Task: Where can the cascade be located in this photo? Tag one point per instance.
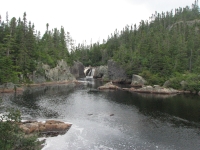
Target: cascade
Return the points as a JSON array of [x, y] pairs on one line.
[[90, 73]]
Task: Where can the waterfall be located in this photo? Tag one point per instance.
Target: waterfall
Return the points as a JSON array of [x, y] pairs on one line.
[[90, 72]]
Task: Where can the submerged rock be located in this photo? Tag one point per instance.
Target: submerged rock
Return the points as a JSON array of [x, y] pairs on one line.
[[50, 127]]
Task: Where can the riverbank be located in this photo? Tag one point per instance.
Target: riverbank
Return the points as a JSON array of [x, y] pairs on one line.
[[21, 87]]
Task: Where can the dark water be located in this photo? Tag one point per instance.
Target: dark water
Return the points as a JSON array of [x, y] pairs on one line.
[[111, 120]]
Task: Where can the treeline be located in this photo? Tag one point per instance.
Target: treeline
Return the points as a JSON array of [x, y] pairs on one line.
[[158, 49], [21, 47], [164, 47]]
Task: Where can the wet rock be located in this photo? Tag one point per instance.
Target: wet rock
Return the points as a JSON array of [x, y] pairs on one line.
[[50, 127], [154, 90], [109, 85]]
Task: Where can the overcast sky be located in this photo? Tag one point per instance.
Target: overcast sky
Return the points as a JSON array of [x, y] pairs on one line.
[[87, 19]]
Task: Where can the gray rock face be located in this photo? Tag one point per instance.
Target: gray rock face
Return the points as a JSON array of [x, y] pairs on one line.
[[101, 72], [38, 78], [116, 73], [167, 84], [137, 80], [60, 73], [77, 70]]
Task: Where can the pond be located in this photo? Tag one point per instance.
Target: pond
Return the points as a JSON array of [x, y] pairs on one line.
[[112, 120]]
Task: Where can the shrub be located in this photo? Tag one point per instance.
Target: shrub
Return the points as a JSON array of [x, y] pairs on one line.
[[12, 137], [152, 79]]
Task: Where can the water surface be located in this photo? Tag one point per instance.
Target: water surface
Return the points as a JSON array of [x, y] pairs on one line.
[[112, 120]]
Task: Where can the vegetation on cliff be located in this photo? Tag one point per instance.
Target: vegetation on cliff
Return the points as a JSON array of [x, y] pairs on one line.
[[159, 49], [21, 47]]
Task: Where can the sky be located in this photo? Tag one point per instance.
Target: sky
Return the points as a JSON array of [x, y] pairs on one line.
[[87, 20]]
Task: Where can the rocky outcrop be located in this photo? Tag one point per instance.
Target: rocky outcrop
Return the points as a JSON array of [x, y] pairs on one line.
[[59, 73], [116, 73], [156, 89], [50, 127], [188, 23], [137, 81], [108, 86], [101, 72], [77, 70]]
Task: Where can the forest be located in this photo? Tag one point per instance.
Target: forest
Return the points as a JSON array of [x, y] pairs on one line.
[[165, 47]]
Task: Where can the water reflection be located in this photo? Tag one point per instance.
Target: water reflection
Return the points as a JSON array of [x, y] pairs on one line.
[[138, 121]]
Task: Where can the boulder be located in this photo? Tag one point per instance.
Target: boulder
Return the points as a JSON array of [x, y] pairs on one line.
[[199, 93], [116, 73], [156, 86], [77, 70], [137, 80], [109, 85], [50, 127], [101, 72], [167, 84]]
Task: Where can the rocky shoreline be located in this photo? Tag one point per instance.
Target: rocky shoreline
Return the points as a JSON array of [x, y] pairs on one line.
[[21, 87], [156, 89], [47, 128]]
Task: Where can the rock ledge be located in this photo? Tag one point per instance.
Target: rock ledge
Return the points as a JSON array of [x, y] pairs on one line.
[[49, 128]]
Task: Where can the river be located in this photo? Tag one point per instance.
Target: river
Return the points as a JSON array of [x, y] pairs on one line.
[[112, 120]]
